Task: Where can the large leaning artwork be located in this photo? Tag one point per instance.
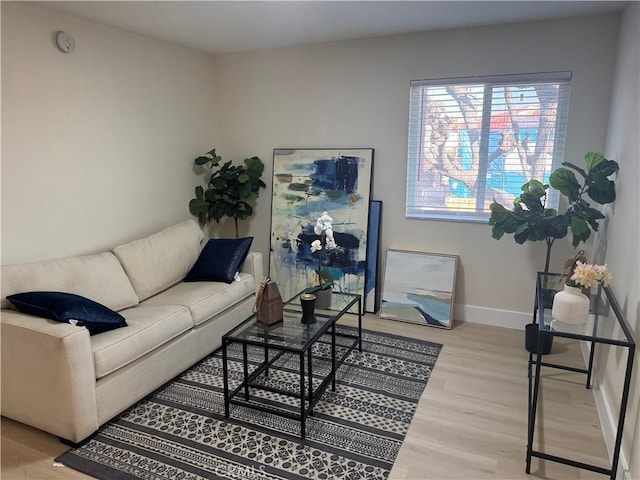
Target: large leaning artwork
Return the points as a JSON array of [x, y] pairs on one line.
[[306, 183], [372, 292], [418, 288]]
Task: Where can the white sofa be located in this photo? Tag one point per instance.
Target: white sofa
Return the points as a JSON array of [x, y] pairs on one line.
[[58, 378]]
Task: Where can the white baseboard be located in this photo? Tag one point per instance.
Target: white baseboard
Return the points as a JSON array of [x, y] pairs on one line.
[[492, 316]]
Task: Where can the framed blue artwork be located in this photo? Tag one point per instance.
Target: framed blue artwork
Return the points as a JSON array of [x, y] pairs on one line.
[[307, 183], [372, 293], [419, 288]]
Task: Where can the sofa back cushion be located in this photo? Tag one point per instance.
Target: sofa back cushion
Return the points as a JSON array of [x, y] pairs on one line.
[[156, 262], [98, 277]]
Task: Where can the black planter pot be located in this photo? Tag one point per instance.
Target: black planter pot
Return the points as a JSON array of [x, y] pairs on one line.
[[531, 340]]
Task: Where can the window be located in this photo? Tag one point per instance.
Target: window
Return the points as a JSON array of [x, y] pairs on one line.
[[473, 140]]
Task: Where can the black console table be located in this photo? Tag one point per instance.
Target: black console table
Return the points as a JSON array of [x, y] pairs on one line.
[[605, 325]]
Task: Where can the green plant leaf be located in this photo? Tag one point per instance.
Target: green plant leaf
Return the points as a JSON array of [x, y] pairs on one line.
[[219, 183], [602, 192], [521, 229], [251, 197], [580, 230], [535, 186], [532, 201], [202, 160], [592, 159], [244, 189], [605, 168], [255, 165], [497, 232], [196, 206], [566, 183], [521, 237], [243, 178], [576, 168], [218, 210], [584, 211], [558, 227], [199, 192]]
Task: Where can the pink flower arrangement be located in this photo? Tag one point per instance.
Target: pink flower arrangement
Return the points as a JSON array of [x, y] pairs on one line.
[[588, 275]]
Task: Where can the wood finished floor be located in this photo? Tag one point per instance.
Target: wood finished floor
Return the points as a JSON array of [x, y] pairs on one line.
[[470, 422]]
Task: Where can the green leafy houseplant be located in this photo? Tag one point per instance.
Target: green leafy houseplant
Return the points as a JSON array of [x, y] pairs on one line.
[[531, 220], [230, 189]]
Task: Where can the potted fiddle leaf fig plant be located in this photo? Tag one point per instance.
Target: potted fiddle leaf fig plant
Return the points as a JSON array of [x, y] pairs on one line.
[[230, 189], [531, 220]]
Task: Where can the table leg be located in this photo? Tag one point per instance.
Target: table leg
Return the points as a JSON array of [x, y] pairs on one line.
[[360, 322], [302, 402], [534, 406], [266, 360], [333, 357], [310, 371], [225, 374], [621, 416], [245, 366]]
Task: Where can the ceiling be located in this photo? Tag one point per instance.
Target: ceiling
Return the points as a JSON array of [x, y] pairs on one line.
[[238, 26]]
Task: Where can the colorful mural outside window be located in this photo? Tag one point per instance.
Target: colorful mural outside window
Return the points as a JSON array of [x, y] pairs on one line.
[[481, 142]]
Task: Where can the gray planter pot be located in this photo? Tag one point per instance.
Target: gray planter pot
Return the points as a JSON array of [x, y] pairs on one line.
[[323, 299]]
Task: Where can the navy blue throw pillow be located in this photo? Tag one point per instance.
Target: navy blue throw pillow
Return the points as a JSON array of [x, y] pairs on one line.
[[220, 260], [63, 307]]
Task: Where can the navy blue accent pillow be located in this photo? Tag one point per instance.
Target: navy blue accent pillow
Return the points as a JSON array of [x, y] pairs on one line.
[[220, 260], [63, 307]]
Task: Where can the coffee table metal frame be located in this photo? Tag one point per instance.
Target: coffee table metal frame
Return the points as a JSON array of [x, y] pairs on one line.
[[308, 396]]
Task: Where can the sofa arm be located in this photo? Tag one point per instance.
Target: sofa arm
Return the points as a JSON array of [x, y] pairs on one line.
[[253, 265], [48, 378]]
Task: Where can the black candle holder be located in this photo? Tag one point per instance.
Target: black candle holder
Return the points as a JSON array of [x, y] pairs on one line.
[[308, 303]]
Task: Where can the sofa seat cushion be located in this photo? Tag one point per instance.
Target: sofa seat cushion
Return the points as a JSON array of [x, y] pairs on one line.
[[149, 328], [206, 299]]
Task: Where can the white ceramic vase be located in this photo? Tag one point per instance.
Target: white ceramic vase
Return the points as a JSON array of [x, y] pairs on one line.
[[570, 306]]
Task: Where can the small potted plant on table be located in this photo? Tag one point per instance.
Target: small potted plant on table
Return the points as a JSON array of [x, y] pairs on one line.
[[321, 247]]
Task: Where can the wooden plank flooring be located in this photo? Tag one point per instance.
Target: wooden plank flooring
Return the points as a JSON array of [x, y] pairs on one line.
[[470, 422]]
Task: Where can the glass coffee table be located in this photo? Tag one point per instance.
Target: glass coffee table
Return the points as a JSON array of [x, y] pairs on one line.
[[293, 338]]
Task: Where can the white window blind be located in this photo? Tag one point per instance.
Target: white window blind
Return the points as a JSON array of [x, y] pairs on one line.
[[473, 140]]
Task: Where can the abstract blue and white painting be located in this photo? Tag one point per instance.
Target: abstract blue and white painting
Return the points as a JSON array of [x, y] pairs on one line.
[[372, 292], [306, 183], [419, 288]]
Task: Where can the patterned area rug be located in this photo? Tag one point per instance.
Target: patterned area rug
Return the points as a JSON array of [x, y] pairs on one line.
[[180, 432]]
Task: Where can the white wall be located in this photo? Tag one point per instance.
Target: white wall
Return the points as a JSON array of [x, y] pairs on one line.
[[97, 144], [623, 238], [356, 94]]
